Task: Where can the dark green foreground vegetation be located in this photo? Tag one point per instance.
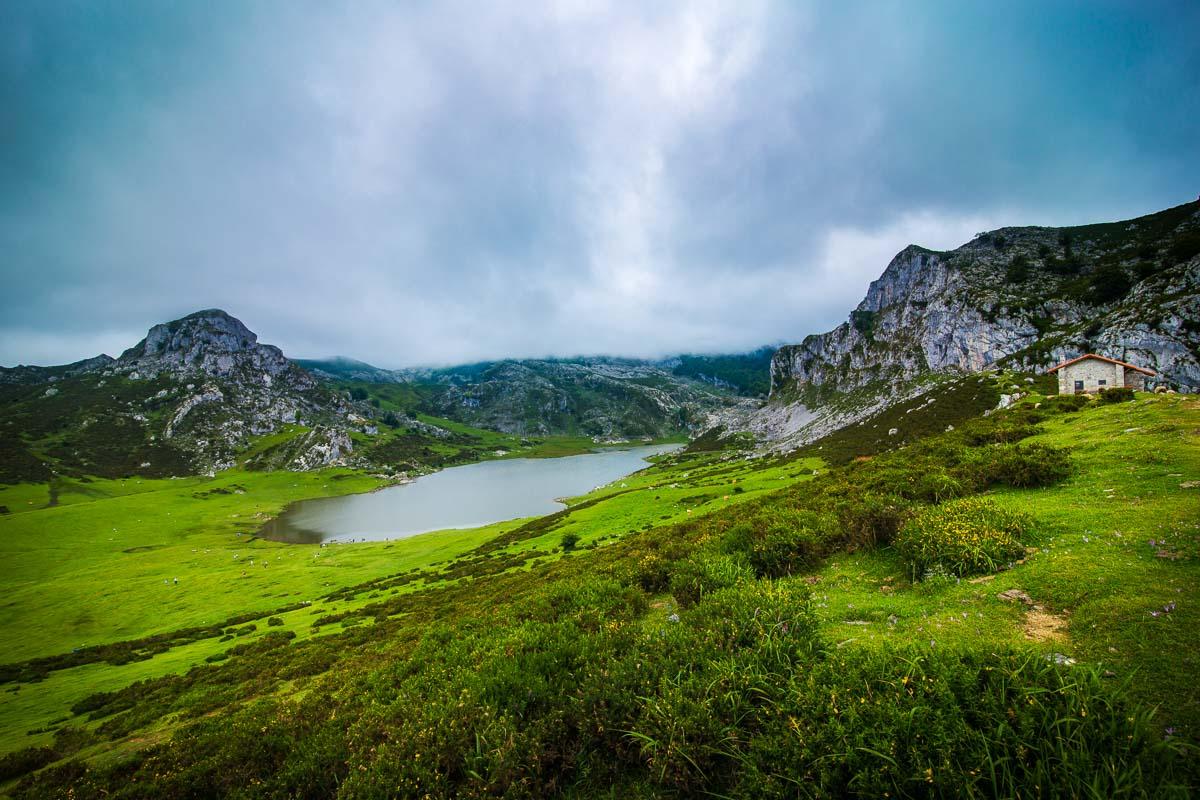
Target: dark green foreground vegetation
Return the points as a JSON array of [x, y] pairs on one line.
[[782, 647]]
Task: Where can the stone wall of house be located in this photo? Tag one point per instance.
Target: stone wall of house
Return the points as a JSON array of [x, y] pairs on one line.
[[1135, 380], [1091, 371]]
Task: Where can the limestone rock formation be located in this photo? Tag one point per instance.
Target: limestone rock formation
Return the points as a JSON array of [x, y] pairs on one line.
[[1015, 297]]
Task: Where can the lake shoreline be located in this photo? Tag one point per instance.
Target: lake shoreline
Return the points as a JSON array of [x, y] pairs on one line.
[[462, 497]]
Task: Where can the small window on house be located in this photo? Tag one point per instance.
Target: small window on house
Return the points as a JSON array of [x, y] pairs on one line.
[[1079, 386], [1103, 382]]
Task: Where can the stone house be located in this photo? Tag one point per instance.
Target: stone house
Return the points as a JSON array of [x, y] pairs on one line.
[[1093, 373]]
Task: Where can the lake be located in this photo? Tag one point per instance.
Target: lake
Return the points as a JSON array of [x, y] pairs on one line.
[[459, 497]]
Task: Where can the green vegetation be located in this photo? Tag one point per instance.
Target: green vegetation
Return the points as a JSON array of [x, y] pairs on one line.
[[864, 322], [1184, 247], [748, 373], [694, 639], [1110, 283], [82, 427], [1018, 269], [1117, 394], [961, 538]]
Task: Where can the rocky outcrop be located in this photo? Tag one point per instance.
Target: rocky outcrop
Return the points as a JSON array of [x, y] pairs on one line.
[[314, 449], [210, 394], [214, 344], [1024, 296]]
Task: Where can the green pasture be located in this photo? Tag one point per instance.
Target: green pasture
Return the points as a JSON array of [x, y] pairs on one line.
[[101, 564], [1098, 592]]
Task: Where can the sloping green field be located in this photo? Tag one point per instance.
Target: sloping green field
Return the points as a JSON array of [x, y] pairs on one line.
[[512, 664]]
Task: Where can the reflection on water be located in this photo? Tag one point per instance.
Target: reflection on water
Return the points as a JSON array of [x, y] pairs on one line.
[[459, 497]]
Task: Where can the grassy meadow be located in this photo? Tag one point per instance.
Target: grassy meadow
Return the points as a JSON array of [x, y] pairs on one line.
[[100, 565], [714, 623]]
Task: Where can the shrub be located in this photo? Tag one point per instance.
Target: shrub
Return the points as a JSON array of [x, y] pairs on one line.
[[964, 537], [1019, 466], [904, 723], [1006, 432], [26, 760], [705, 573], [788, 547], [274, 621], [1184, 247], [938, 485], [1117, 394], [864, 322], [869, 520], [585, 602], [652, 573], [1110, 283], [754, 614], [569, 540], [1065, 403], [1018, 269], [1028, 466], [1146, 269]]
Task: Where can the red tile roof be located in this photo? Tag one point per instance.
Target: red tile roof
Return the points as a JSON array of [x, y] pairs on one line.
[[1101, 358]]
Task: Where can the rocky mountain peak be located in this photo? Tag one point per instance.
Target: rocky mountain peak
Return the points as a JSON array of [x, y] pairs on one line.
[[211, 342], [212, 330]]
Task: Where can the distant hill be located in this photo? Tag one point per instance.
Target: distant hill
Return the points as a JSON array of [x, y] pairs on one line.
[[604, 397], [340, 368]]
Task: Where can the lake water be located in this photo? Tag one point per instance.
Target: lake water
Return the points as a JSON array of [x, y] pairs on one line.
[[458, 497]]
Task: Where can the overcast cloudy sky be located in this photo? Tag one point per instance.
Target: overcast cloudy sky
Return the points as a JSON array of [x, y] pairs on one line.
[[413, 183]]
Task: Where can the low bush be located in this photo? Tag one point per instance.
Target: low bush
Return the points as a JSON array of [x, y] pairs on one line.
[[895, 723], [753, 613], [789, 546], [586, 602], [1029, 466], [871, 520], [19, 762], [1117, 394], [938, 485], [1185, 246], [1065, 403], [964, 537], [652, 573], [1019, 466], [1007, 432], [705, 573]]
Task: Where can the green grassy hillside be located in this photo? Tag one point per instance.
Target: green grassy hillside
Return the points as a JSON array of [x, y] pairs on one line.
[[770, 627]]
